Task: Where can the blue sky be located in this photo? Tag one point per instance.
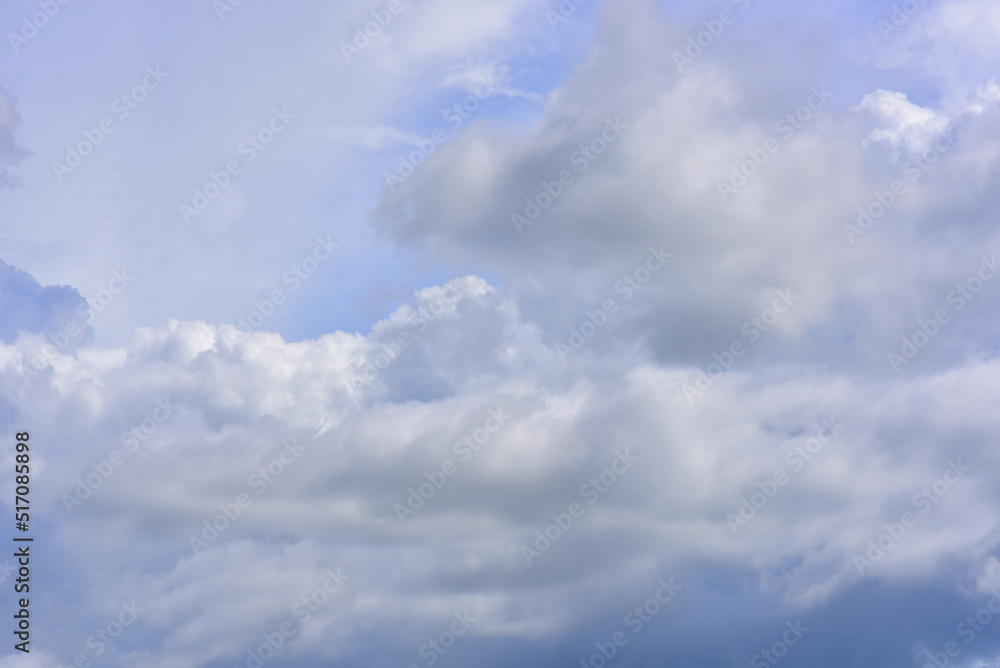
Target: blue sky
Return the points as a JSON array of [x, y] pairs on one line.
[[664, 353]]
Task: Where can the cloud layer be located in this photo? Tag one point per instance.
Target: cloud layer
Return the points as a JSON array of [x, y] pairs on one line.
[[676, 349]]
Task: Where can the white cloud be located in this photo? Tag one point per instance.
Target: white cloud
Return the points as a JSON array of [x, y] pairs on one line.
[[496, 77], [903, 124], [376, 137]]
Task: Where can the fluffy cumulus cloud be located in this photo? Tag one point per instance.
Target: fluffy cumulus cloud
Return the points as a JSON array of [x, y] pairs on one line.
[[676, 351]]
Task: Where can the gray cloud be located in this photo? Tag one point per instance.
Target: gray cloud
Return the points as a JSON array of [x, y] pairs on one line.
[[238, 399]]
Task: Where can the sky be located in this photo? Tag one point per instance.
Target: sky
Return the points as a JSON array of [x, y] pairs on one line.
[[502, 333]]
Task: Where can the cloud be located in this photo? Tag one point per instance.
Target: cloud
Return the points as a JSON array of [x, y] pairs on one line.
[[905, 124], [731, 325], [497, 77], [376, 137], [492, 198], [237, 400], [29, 307], [445, 29]]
